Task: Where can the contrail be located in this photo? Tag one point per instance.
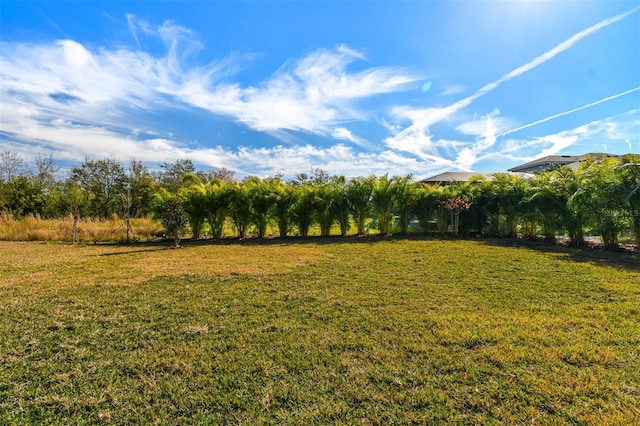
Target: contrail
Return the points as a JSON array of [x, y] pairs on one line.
[[544, 120], [535, 62], [568, 43]]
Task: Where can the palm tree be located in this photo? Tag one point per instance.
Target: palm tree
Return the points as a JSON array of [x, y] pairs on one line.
[[303, 208], [600, 197], [284, 200], [340, 205], [382, 199], [359, 193], [262, 200], [240, 207], [217, 199], [323, 206], [195, 207], [426, 203], [405, 197]]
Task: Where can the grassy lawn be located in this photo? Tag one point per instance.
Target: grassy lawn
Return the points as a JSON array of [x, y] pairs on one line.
[[340, 331]]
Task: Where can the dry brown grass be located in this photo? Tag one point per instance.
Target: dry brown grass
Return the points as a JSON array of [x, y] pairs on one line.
[[34, 228]]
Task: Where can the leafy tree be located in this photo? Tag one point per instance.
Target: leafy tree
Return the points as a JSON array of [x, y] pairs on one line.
[[169, 209], [547, 206], [105, 179], [23, 195], [140, 186], [172, 176], [69, 198]]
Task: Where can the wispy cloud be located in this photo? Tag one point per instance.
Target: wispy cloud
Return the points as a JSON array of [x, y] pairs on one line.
[[416, 137], [315, 93], [342, 133]]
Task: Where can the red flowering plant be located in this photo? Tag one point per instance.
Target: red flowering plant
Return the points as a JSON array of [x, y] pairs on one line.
[[455, 206]]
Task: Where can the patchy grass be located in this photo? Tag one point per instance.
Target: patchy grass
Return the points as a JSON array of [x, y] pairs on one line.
[[344, 331]]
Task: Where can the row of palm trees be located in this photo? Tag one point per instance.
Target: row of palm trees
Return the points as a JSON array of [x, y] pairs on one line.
[[602, 197]]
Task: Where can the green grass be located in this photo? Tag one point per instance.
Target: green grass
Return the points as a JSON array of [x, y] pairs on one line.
[[339, 331]]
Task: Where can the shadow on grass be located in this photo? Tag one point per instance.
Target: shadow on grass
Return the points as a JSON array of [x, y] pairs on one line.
[[626, 257]]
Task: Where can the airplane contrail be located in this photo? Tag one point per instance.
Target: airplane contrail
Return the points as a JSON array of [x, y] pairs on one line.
[[544, 120]]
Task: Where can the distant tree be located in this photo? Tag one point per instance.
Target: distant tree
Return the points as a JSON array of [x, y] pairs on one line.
[[140, 186], [23, 195], [11, 165], [69, 198], [106, 181], [45, 171], [172, 175], [222, 174]]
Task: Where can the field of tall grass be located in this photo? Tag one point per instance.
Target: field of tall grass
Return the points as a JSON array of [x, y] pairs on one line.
[[319, 331], [114, 229]]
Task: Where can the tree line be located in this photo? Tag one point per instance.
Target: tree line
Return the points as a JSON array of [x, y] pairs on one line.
[[601, 197]]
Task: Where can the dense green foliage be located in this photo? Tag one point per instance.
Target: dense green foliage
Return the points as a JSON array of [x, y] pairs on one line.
[[361, 331], [601, 198]]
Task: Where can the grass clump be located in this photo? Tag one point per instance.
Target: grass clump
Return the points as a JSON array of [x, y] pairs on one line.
[[285, 332]]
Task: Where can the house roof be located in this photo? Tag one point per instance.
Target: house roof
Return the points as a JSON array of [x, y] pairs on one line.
[[544, 162], [452, 177], [557, 160]]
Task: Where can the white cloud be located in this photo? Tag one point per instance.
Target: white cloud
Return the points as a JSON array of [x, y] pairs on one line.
[[453, 90], [342, 133], [313, 94]]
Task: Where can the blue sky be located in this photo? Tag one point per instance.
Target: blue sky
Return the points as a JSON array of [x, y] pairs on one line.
[[355, 88]]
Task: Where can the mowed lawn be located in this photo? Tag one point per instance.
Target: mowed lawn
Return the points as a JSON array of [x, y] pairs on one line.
[[323, 331]]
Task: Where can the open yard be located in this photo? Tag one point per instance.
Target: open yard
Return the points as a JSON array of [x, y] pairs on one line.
[[340, 331]]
